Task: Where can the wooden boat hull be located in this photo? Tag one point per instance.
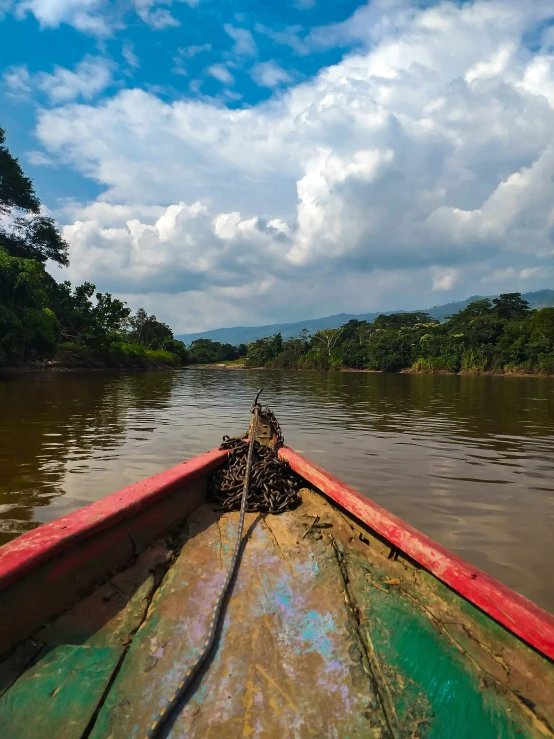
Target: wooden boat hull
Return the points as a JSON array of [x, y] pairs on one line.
[[368, 628]]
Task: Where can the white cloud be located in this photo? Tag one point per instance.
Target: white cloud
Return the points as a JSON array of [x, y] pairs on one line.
[[289, 36], [187, 52], [244, 41], [84, 15], [429, 153], [444, 278], [128, 53], [530, 272], [221, 73], [91, 76], [500, 275], [269, 74], [97, 17], [157, 18], [17, 81]]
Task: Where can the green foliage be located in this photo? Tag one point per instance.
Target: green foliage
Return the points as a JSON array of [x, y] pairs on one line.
[[148, 331], [501, 335], [26, 232], [16, 190], [28, 327], [206, 351], [93, 319]]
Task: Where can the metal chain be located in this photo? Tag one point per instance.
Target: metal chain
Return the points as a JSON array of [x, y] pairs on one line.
[[274, 486], [161, 718]]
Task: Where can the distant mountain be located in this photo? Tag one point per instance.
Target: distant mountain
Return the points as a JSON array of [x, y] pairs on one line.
[[245, 334]]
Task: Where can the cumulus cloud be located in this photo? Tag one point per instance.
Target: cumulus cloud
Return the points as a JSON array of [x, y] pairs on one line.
[[97, 17], [221, 73], [17, 80], [428, 153], [244, 41], [444, 279], [269, 74], [84, 15], [91, 76]]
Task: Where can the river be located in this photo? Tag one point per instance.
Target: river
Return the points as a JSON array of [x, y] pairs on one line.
[[467, 460]]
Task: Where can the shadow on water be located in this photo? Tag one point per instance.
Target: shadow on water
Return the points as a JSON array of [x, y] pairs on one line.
[[468, 460]]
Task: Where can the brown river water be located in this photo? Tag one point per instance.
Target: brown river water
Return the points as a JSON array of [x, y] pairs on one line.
[[467, 460]]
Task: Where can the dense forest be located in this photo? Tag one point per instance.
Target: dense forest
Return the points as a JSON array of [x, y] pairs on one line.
[[40, 317], [499, 335]]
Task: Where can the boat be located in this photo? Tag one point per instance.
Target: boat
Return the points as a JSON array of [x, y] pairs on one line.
[[341, 621]]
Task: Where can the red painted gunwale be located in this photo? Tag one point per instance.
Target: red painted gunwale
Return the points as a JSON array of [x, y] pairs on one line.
[[516, 613], [35, 547]]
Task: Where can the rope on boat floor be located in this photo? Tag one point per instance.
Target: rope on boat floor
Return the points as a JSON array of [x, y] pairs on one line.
[[252, 479]]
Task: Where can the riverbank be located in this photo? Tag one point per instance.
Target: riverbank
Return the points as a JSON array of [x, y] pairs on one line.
[[408, 371], [232, 365], [67, 360]]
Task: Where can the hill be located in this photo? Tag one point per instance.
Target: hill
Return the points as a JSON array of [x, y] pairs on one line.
[[245, 334]]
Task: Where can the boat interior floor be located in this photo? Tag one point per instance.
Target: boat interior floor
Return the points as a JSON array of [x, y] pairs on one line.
[[326, 633]]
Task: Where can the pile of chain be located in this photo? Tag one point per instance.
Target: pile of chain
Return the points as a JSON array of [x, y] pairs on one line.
[[273, 485]]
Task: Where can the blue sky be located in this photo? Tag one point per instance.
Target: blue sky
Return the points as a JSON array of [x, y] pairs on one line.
[[178, 56], [224, 163]]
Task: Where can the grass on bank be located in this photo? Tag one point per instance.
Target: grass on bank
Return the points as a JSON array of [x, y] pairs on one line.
[[117, 355]]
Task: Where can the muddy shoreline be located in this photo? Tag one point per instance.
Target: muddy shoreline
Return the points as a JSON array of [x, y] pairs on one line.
[[70, 362], [409, 371]]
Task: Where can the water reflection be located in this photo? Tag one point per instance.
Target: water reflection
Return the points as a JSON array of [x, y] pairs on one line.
[[469, 460]]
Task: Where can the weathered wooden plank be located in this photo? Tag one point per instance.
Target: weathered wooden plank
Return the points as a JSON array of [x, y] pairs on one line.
[[288, 663], [58, 697], [502, 666], [432, 688], [81, 649], [12, 667], [512, 610], [498, 654]]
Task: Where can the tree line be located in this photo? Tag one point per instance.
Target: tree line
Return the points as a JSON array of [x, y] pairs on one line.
[[39, 316], [499, 335]]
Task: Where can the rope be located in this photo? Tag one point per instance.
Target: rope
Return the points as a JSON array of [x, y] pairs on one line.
[[161, 718]]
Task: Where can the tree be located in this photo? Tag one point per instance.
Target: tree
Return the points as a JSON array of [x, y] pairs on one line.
[[91, 319], [510, 306], [28, 327], [328, 338], [16, 190], [148, 331], [482, 307], [26, 232], [398, 320]]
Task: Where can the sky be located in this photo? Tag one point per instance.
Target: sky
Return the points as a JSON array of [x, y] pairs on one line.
[[234, 162]]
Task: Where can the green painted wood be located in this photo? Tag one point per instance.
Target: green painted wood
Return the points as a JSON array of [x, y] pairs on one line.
[[289, 662], [431, 688], [59, 695], [497, 652], [12, 667]]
